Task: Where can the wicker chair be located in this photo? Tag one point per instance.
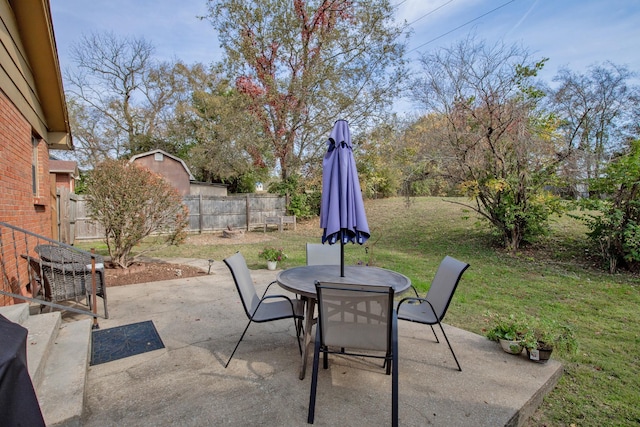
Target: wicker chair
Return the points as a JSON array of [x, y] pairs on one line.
[[66, 274]]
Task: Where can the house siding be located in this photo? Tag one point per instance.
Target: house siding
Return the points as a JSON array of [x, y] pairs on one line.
[[16, 75]]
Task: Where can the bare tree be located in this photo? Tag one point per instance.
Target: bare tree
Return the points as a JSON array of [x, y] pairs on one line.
[[120, 98], [596, 108]]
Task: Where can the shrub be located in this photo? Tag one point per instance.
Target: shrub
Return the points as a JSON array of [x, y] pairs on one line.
[[132, 203], [301, 204], [615, 227]]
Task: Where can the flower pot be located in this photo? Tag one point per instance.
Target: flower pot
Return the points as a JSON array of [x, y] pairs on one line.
[[539, 355], [511, 347], [271, 265]]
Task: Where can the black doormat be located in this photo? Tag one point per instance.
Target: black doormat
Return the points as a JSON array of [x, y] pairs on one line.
[[124, 341]]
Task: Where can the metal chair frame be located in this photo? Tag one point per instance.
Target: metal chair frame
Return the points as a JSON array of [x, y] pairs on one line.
[[255, 308], [431, 309], [348, 305]]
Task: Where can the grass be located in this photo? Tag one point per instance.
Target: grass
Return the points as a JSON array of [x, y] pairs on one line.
[[555, 279]]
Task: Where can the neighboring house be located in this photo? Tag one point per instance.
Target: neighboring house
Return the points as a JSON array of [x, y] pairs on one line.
[[175, 171], [64, 173], [33, 120]]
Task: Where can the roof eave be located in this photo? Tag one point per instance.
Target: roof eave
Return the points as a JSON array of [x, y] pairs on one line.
[[36, 32]]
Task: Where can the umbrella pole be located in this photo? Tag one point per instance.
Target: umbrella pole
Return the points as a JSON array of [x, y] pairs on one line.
[[341, 258]]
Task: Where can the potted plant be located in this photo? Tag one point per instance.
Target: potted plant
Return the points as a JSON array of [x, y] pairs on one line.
[[508, 331], [272, 255], [546, 335]]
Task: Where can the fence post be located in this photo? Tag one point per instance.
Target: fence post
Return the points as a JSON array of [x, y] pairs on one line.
[[200, 220], [94, 290], [248, 211]]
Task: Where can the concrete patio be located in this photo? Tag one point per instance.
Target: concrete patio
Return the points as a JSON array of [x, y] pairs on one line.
[[200, 319]]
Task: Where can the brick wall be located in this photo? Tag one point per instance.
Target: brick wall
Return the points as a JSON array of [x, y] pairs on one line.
[[18, 206], [64, 181]]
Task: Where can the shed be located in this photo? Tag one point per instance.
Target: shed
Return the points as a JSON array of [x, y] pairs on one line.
[[170, 167]]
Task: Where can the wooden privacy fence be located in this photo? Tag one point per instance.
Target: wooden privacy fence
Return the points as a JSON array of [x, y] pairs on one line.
[[65, 216], [206, 213]]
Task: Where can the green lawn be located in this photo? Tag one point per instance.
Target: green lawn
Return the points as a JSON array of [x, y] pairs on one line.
[[554, 279]]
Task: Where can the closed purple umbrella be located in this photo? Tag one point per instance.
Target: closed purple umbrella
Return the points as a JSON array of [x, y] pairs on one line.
[[342, 214]]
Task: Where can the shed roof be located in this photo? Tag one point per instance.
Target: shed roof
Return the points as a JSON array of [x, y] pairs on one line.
[[177, 159], [64, 166]]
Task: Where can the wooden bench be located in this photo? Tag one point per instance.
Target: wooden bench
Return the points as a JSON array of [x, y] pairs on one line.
[[280, 221]]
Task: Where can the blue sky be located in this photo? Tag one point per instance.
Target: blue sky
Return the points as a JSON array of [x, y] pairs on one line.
[[571, 33]]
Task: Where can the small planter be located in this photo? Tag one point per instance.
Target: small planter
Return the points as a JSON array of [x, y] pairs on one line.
[[547, 335], [507, 331], [511, 347], [272, 256], [539, 355]]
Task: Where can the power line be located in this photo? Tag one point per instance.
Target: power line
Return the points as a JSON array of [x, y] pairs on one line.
[[428, 13], [399, 4], [460, 26]]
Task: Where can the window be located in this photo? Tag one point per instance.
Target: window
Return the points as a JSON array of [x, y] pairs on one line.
[[34, 164]]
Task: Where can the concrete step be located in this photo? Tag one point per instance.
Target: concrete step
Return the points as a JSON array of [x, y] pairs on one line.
[[62, 391], [43, 330], [17, 313]]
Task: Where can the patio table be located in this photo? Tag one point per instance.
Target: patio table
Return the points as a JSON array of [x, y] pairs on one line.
[[301, 281]]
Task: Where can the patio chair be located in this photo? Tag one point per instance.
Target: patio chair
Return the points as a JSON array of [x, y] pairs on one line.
[[319, 254], [361, 318], [67, 274], [431, 309], [261, 310]]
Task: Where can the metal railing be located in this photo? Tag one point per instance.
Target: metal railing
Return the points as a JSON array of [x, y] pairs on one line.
[[40, 270]]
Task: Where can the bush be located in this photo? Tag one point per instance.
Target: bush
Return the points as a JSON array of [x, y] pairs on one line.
[[131, 203], [301, 204], [615, 228]]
